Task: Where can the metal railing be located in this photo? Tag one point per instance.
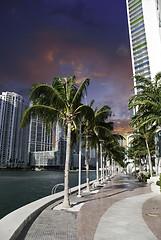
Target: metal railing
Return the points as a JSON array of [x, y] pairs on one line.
[[53, 191]]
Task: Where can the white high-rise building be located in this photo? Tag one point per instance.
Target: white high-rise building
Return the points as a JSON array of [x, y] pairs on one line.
[[60, 144], [40, 144], [39, 138], [13, 140], [144, 20]]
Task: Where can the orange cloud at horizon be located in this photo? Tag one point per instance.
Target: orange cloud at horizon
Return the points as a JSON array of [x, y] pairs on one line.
[[122, 126]]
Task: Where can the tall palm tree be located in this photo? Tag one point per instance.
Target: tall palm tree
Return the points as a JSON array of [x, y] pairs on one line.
[[148, 115], [102, 129], [147, 102], [146, 135], [59, 101], [93, 131], [113, 148], [87, 126], [137, 149]]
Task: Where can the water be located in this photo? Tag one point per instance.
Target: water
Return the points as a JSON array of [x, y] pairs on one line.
[[18, 188]]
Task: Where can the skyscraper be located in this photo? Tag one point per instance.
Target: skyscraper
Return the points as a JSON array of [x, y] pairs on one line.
[[13, 140], [39, 138], [60, 145], [144, 21], [40, 144]]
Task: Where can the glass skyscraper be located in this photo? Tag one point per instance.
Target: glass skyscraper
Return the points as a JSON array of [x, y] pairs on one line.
[[13, 140], [39, 138], [144, 21]]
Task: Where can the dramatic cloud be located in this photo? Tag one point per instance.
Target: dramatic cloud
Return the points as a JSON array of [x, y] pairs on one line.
[[41, 39]]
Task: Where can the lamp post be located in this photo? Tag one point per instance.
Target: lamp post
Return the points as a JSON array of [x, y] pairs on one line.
[[101, 159], [79, 175]]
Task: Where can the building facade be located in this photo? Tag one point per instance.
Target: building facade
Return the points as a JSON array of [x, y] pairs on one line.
[[60, 145], [13, 140], [144, 21], [39, 138], [46, 149], [40, 144]]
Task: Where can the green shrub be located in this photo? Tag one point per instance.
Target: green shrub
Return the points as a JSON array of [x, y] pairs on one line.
[[149, 175]]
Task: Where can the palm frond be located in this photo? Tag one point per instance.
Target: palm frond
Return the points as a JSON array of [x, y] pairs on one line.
[[59, 87], [91, 104], [45, 113], [70, 87], [85, 112], [103, 113], [79, 93], [45, 94]]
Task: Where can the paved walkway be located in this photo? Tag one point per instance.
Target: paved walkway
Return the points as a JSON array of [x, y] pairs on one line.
[[123, 209], [123, 220]]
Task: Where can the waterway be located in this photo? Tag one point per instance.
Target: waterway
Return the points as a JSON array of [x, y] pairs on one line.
[[18, 188]]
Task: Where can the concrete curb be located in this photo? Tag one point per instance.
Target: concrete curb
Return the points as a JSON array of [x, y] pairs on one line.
[[12, 224], [155, 188]]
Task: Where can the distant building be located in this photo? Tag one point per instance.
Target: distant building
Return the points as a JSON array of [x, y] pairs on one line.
[[144, 21], [39, 138], [13, 140], [92, 157], [60, 145], [131, 165], [40, 144], [120, 141], [74, 159], [43, 159], [44, 152]]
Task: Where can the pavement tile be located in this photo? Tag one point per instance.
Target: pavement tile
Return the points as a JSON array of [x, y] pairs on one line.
[[81, 222], [152, 215]]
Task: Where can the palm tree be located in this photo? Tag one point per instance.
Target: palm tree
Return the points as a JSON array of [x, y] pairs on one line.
[[101, 129], [148, 105], [59, 101], [137, 149], [94, 130], [146, 135], [87, 126], [147, 102], [113, 148]]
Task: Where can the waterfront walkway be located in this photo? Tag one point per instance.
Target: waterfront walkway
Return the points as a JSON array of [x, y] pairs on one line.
[[122, 209]]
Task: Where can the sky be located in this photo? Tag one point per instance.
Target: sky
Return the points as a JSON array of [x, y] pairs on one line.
[[43, 39]]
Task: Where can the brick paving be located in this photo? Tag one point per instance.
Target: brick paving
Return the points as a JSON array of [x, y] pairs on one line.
[[91, 213], [82, 223], [152, 215]]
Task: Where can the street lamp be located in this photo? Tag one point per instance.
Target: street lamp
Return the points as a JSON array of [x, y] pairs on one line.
[[101, 160], [79, 175]]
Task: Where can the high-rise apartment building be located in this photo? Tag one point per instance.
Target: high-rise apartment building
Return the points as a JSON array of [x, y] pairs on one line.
[[40, 144], [60, 144], [39, 138], [13, 140], [144, 20]]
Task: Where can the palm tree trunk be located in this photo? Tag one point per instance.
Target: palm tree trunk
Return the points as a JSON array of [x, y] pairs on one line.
[[66, 203], [87, 163], [149, 157], [97, 167]]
